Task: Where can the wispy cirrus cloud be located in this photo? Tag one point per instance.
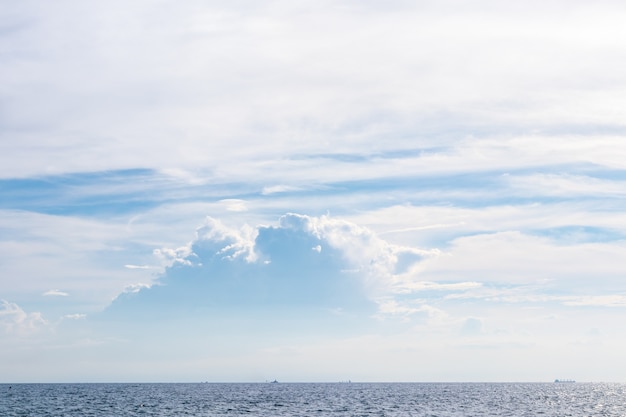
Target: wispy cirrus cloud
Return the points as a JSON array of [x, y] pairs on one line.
[[129, 266], [399, 72], [611, 300], [76, 316]]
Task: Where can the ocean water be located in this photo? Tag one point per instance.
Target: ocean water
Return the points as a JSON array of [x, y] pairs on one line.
[[312, 399]]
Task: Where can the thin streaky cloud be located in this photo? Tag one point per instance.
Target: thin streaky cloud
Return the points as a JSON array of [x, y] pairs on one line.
[[55, 293]]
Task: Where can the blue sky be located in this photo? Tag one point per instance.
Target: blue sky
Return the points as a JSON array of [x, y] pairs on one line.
[[312, 191]]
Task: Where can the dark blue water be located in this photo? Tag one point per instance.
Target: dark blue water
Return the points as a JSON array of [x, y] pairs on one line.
[[341, 399]]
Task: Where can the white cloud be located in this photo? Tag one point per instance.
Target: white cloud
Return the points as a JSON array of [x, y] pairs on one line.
[[526, 218], [128, 266], [516, 258], [15, 321], [567, 185], [502, 267], [433, 286], [55, 293], [80, 256], [613, 300], [304, 259], [235, 242], [133, 288], [278, 189], [363, 249], [76, 316], [392, 307], [233, 204], [168, 256], [320, 74]]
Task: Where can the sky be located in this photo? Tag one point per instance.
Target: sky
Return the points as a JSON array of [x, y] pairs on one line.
[[243, 191]]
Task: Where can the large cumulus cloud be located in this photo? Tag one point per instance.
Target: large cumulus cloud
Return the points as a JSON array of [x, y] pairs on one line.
[[302, 263]]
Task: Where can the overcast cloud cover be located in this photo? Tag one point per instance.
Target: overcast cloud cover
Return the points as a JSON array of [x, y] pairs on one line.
[[312, 191]]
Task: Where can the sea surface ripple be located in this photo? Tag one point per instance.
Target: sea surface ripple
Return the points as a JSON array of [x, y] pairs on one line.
[[313, 399]]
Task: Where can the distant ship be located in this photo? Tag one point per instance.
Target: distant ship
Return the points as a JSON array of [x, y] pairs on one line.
[[564, 381]]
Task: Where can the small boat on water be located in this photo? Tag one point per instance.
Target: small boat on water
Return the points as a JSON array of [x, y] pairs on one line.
[[564, 381]]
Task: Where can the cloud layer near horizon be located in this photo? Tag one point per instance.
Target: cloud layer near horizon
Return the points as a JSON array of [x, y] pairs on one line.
[[315, 282]]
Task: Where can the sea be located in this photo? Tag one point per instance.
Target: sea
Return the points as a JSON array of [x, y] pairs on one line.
[[313, 399]]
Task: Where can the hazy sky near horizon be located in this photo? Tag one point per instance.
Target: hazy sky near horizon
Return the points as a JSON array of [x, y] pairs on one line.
[[312, 190]]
